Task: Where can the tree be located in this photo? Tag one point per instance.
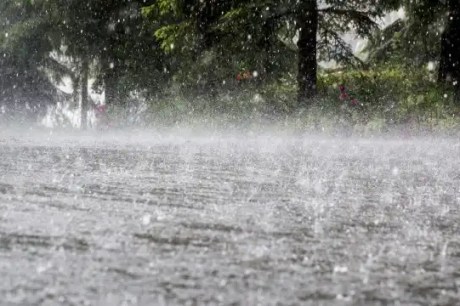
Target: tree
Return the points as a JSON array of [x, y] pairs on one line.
[[449, 63], [23, 49], [307, 20], [317, 31], [99, 39], [35, 29], [430, 32], [262, 30], [106, 40], [186, 31], [412, 40]]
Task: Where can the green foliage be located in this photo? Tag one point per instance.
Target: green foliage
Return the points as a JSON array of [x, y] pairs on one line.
[[414, 40], [387, 97], [395, 93], [257, 35], [173, 36], [177, 51], [23, 46]]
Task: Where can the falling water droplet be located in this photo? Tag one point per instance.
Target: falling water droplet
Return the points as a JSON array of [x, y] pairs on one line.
[[146, 219]]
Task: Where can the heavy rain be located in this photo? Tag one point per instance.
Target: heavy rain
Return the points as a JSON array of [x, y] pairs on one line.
[[259, 152]]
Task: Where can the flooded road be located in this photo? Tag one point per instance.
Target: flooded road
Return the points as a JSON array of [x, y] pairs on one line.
[[228, 221]]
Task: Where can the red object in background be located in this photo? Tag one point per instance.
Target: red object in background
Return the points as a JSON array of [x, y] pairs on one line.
[[101, 110], [101, 116], [345, 96], [245, 75], [343, 93]]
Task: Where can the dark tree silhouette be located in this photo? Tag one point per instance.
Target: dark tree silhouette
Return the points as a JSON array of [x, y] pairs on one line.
[[308, 27], [449, 66]]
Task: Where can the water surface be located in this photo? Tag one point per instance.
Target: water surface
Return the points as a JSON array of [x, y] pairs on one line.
[[140, 219]]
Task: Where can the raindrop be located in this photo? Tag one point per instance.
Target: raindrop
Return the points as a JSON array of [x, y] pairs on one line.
[[430, 66], [146, 219], [340, 269]]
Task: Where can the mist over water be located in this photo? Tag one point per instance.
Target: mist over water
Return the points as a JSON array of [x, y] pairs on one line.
[[139, 217]]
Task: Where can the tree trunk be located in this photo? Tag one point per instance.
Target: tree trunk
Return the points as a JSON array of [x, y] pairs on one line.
[[76, 90], [269, 31], [110, 74], [205, 17], [307, 67], [111, 86], [449, 65], [84, 93], [207, 13]]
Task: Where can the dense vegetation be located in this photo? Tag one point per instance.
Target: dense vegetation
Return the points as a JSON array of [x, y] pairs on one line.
[[234, 57]]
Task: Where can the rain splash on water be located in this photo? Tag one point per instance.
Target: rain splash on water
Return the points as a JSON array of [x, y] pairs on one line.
[[142, 218]]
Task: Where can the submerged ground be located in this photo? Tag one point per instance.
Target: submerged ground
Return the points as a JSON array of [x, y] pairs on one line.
[[145, 219]]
